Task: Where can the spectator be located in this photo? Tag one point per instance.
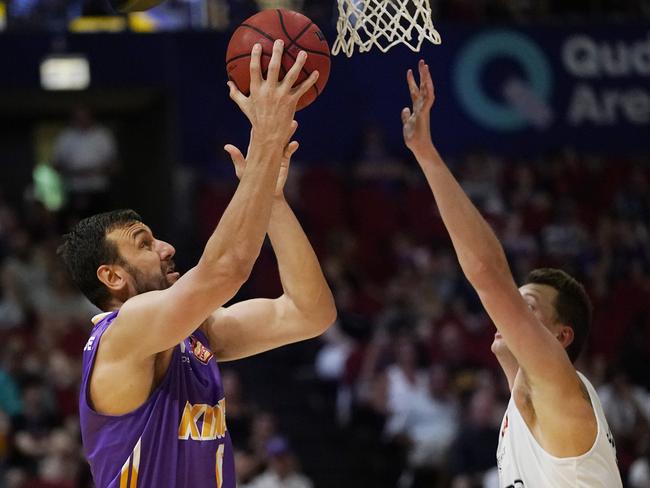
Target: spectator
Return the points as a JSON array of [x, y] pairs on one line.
[[640, 470], [428, 426], [406, 380], [263, 429], [33, 426], [247, 467], [282, 471], [86, 155], [472, 456], [240, 412]]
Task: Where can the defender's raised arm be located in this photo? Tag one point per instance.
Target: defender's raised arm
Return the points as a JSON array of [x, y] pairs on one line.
[[537, 346]]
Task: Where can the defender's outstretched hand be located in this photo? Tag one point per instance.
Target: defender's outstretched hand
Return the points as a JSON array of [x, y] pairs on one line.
[[271, 105], [416, 122], [239, 161]]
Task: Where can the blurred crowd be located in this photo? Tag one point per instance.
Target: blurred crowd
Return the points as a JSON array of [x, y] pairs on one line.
[[403, 391], [418, 394]]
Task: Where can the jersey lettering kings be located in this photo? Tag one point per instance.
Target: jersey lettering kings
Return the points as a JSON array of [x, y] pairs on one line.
[[185, 413], [212, 418]]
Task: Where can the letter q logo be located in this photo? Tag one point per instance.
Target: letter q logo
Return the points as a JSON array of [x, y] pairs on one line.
[[525, 93]]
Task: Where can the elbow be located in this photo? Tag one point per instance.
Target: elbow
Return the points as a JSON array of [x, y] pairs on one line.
[[325, 317], [240, 269], [230, 271], [484, 274], [329, 318]]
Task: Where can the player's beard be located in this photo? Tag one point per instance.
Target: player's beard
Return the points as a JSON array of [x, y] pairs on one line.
[[143, 284]]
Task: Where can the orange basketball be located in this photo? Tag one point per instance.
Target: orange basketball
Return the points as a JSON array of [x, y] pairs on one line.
[[298, 33]]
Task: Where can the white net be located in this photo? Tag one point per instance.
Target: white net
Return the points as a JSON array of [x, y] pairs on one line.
[[383, 23]]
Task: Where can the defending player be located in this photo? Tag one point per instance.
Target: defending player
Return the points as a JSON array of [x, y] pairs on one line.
[[554, 433], [152, 406]]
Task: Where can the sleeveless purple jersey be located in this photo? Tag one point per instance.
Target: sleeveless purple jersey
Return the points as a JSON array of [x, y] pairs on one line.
[[177, 438]]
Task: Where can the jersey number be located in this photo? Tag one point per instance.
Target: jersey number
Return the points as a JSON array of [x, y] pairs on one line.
[[219, 466]]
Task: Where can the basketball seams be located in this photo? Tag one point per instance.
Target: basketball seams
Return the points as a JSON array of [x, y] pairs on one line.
[[270, 38], [286, 32], [259, 31], [294, 41], [262, 33], [310, 51], [290, 41], [235, 58]]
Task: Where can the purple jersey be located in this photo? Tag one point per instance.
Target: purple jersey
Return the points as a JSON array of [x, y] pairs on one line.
[[177, 438]]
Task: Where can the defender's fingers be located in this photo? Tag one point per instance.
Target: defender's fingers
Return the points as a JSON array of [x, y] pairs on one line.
[[406, 114], [276, 60], [301, 89], [255, 66], [422, 72], [428, 82], [294, 71], [413, 88]]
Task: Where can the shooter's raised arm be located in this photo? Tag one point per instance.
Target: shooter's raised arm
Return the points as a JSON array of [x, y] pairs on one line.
[[232, 249], [306, 307]]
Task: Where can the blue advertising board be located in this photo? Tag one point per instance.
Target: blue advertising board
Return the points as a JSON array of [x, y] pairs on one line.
[[521, 90], [508, 89]]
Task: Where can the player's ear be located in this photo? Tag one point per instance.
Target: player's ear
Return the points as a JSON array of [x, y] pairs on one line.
[[565, 335], [112, 276]]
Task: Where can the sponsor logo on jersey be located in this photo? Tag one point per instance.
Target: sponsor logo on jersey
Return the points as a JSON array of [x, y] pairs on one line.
[[89, 344], [202, 422], [517, 484], [200, 352]]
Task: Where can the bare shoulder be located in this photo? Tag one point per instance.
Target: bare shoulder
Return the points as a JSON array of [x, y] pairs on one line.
[[565, 426], [119, 381]]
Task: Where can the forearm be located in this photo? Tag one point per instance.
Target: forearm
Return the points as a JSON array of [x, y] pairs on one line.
[[300, 272], [240, 233], [478, 249]]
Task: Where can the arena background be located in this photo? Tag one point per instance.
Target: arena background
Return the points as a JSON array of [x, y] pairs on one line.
[[543, 113]]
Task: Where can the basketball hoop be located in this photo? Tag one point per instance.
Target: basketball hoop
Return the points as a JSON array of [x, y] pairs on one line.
[[383, 23]]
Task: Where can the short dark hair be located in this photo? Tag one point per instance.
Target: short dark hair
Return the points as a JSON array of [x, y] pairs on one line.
[[572, 305], [85, 248]]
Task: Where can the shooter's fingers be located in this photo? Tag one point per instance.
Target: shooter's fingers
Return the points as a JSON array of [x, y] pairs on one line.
[[276, 60], [295, 70], [291, 148], [255, 66], [237, 157], [304, 87], [293, 128], [236, 96]]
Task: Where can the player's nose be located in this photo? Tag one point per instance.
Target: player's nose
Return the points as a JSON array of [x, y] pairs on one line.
[[166, 250]]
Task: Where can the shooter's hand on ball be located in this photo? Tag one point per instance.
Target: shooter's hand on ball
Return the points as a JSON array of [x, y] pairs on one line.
[[271, 105], [416, 122]]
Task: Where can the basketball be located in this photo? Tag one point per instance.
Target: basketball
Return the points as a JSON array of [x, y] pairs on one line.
[[298, 33]]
